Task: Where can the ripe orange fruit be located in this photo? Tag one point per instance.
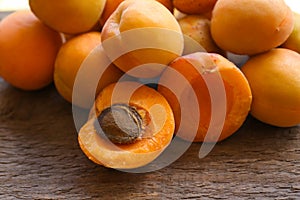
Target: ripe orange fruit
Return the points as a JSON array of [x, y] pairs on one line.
[[203, 72], [68, 16], [194, 6], [28, 49], [251, 27], [69, 59], [274, 78]]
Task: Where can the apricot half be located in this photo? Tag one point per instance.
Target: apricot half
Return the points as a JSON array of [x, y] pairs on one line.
[[274, 78], [222, 92], [129, 127], [140, 37], [251, 27]]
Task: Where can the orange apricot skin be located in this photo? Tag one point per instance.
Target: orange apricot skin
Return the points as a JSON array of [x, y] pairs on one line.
[[250, 27], [27, 51], [293, 41], [68, 16], [274, 78], [194, 6], [198, 28], [132, 17], [111, 6], [70, 57], [237, 90]]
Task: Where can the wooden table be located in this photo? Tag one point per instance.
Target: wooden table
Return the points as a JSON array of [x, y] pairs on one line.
[[40, 159]]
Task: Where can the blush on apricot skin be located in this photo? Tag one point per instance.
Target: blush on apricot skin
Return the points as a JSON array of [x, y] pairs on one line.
[[237, 90]]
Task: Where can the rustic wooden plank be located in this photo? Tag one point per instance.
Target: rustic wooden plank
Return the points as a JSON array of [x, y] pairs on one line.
[[40, 159]]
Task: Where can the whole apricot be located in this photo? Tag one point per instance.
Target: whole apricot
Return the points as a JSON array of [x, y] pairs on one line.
[[211, 101], [111, 6], [198, 28], [68, 16], [134, 38], [251, 27], [293, 41], [274, 78], [194, 6], [28, 49], [70, 58]]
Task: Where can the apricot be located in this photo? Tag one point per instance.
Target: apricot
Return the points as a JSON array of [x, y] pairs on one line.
[[222, 92], [71, 56], [131, 126], [135, 36], [293, 41], [28, 49], [198, 28], [274, 78], [194, 6], [111, 6], [251, 27], [68, 16]]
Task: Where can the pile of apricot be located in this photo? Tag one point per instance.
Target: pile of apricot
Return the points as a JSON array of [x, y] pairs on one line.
[[113, 49]]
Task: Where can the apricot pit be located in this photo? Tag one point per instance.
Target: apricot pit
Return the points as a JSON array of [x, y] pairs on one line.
[[120, 123]]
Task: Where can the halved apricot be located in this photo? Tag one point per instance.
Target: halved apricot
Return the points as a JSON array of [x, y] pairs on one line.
[[130, 125], [222, 92]]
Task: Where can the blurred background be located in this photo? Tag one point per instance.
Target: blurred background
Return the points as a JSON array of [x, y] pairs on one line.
[[10, 5]]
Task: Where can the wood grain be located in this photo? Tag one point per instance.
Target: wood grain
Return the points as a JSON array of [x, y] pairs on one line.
[[40, 159]]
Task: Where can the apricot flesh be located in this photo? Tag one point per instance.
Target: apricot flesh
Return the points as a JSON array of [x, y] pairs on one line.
[[158, 126], [225, 78], [251, 27], [274, 78]]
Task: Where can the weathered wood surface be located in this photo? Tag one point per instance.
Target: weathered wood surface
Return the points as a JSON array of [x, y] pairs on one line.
[[40, 159]]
